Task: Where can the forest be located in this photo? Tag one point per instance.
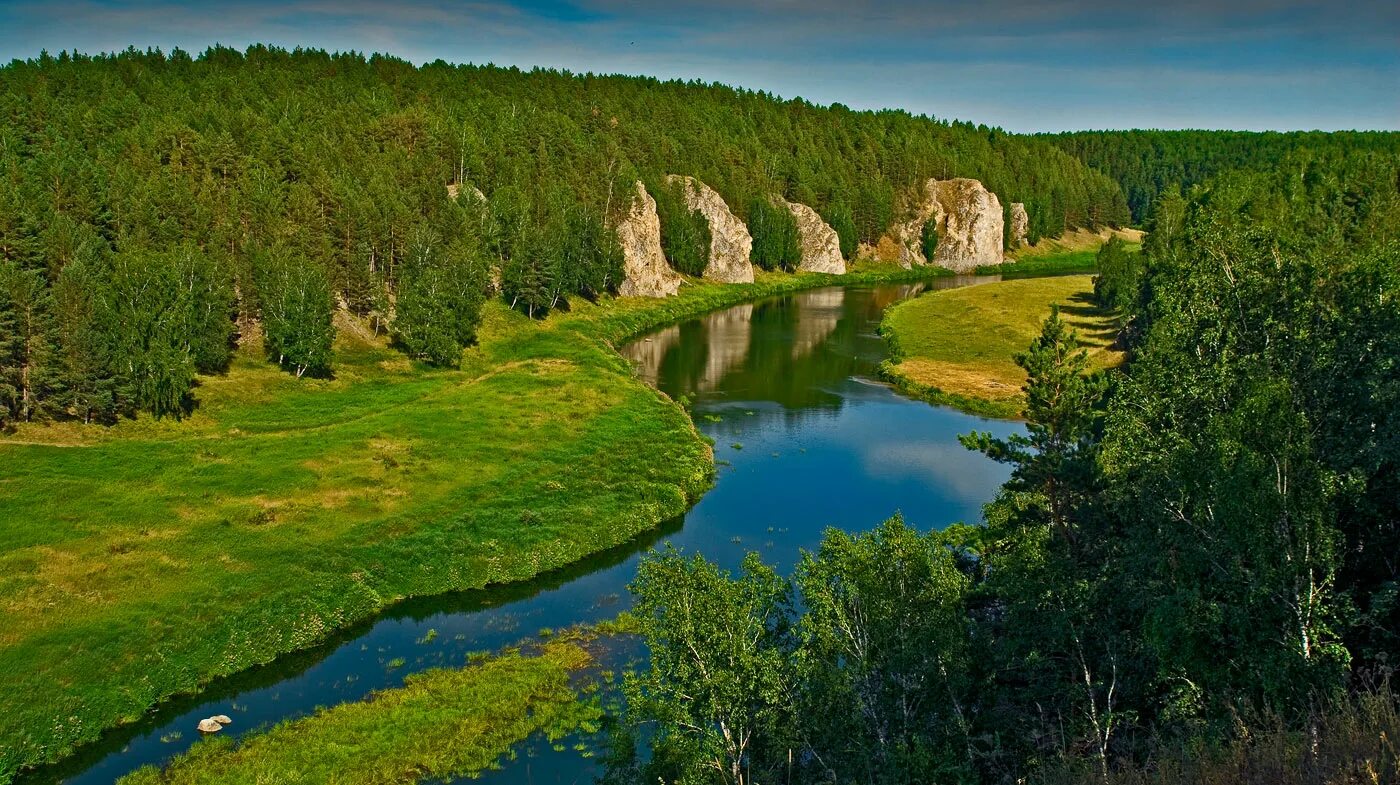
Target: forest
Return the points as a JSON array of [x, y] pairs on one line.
[[1191, 575], [1196, 551], [1148, 164], [154, 208]]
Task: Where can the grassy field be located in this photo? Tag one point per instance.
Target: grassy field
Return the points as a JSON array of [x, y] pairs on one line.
[[957, 346], [141, 561], [1076, 252], [441, 724]]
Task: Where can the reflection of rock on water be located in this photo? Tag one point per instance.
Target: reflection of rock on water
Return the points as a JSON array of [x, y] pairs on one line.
[[725, 336], [727, 342], [818, 313], [885, 296], [646, 354]]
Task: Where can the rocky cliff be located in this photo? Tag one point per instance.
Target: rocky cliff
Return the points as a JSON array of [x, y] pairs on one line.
[[645, 272], [730, 242], [969, 220], [1020, 224], [821, 248]]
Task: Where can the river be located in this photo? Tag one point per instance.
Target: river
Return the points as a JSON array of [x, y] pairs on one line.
[[805, 438]]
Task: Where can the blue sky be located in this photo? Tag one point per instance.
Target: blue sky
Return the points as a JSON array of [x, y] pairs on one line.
[[1026, 66]]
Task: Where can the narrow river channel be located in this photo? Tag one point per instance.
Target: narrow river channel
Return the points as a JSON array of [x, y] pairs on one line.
[[805, 438]]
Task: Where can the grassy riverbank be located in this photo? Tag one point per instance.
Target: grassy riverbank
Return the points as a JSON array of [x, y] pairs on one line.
[[141, 561], [1076, 252], [441, 724], [956, 347]]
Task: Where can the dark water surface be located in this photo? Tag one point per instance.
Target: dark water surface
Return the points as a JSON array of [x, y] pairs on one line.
[[805, 438]]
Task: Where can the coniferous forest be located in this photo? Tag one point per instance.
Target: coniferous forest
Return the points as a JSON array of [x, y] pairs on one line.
[[154, 206], [1192, 573]]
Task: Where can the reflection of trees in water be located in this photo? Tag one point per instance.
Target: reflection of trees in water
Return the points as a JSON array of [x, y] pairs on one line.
[[797, 350]]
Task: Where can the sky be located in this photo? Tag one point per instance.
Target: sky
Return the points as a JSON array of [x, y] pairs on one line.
[[1022, 65]]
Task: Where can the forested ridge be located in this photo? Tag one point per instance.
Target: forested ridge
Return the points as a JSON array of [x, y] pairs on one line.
[[1148, 163], [1191, 576], [155, 208]]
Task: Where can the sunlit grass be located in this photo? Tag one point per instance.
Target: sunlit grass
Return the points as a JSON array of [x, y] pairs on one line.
[[958, 346], [141, 561], [441, 724]]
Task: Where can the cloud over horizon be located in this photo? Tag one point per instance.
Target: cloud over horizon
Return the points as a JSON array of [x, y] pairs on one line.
[[1025, 66]]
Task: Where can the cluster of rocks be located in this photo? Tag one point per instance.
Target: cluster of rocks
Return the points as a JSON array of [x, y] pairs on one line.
[[967, 217], [214, 724]]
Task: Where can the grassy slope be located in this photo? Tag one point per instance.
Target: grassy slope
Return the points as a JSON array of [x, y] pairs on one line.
[[1076, 252], [441, 724], [956, 346], [141, 561]]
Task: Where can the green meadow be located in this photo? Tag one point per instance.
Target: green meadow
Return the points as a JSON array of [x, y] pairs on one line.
[[957, 347], [441, 724], [141, 561]]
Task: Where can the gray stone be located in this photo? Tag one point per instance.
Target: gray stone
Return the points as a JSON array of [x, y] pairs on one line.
[[969, 220], [1020, 224], [730, 242], [645, 272], [821, 247]]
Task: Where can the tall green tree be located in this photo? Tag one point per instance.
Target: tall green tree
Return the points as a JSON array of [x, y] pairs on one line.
[[776, 245], [439, 298], [718, 687], [297, 312]]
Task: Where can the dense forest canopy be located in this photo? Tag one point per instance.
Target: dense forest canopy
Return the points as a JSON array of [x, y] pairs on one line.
[[1149, 163], [149, 201], [1197, 549]]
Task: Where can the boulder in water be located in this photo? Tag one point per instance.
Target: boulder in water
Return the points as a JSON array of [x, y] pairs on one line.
[[209, 725]]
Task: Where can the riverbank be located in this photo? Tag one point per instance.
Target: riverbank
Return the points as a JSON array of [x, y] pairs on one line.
[[957, 347], [143, 561], [446, 723], [1076, 252]]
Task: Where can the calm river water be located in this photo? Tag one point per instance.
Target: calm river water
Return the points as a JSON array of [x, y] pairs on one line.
[[805, 438]]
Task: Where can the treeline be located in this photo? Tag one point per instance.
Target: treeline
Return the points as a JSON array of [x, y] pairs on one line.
[[155, 209], [1201, 546], [1147, 164]]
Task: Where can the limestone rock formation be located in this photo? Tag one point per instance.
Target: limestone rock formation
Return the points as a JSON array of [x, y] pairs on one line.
[[645, 272], [730, 242], [222, 719], [821, 248], [1020, 224], [209, 725], [969, 221]]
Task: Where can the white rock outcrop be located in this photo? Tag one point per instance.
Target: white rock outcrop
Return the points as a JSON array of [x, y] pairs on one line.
[[821, 247], [1020, 224], [645, 272], [730, 242], [970, 225], [209, 725]]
